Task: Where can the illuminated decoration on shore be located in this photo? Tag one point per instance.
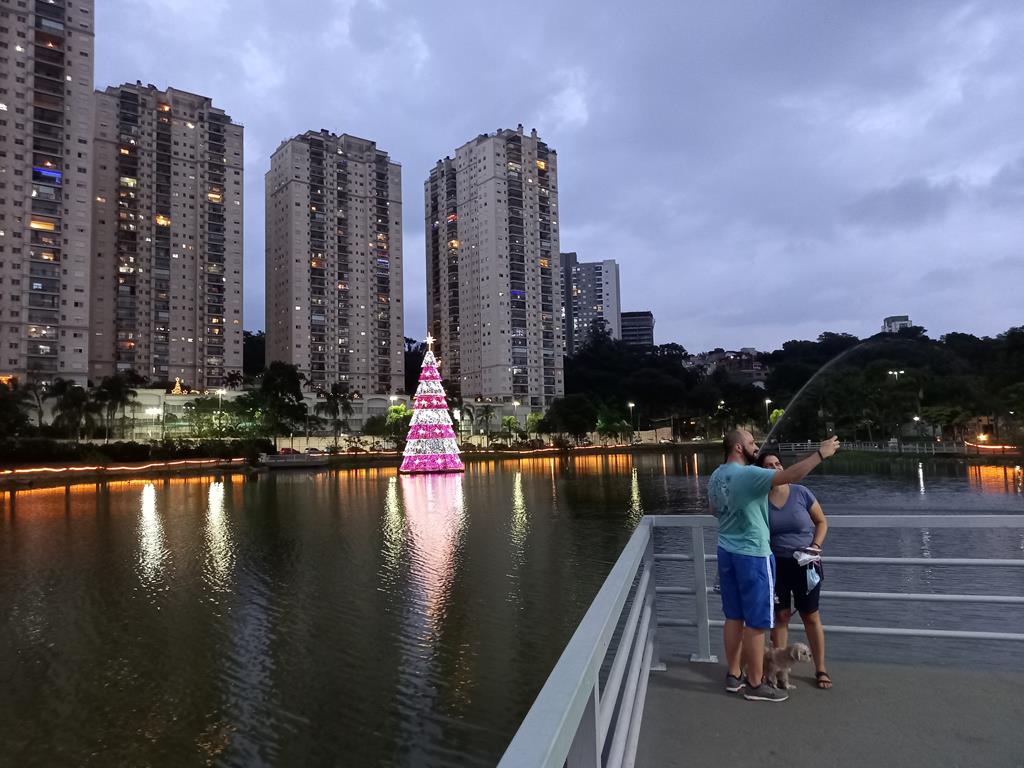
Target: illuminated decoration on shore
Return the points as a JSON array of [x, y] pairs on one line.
[[431, 445]]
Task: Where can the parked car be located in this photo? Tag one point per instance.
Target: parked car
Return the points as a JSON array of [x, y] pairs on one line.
[[314, 451], [286, 452]]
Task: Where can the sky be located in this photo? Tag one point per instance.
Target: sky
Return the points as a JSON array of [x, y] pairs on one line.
[[761, 171]]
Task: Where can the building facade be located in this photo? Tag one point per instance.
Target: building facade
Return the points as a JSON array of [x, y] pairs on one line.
[[334, 262], [167, 237], [638, 328], [896, 323], [493, 274], [46, 83], [591, 294]]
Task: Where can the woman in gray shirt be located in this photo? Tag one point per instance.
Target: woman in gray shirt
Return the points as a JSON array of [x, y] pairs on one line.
[[797, 524]]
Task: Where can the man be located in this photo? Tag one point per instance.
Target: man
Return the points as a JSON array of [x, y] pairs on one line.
[[738, 493]]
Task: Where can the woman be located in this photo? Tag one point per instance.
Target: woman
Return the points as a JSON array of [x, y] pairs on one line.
[[797, 523]]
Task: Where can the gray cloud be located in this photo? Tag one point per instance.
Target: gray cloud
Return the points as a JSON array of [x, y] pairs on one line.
[[911, 203], [766, 153]]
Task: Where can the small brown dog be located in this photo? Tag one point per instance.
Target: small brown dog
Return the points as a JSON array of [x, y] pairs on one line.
[[778, 662]]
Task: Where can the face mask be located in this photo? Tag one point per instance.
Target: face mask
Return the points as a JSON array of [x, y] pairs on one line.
[[813, 578]]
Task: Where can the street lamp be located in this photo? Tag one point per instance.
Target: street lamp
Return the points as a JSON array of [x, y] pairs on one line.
[[767, 418], [154, 412], [897, 374], [515, 409], [631, 406]]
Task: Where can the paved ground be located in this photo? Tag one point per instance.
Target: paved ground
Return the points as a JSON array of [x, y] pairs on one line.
[[876, 715]]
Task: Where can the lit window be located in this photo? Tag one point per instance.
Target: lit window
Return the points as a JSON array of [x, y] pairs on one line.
[[214, 197], [128, 181], [162, 221], [542, 165], [3, 107], [42, 224], [164, 107]]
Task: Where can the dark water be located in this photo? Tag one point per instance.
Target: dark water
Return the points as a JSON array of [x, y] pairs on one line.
[[350, 618]]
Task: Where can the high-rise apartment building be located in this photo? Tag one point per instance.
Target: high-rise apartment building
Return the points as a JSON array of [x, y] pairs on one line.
[[46, 76], [493, 277], [638, 328], [591, 294], [167, 237], [334, 262]]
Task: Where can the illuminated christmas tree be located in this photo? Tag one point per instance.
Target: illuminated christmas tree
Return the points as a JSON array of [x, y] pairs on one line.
[[430, 445]]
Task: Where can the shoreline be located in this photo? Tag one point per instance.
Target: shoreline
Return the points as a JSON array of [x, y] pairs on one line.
[[26, 478]]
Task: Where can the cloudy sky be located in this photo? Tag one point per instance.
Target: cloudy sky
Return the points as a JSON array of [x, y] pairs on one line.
[[761, 171]]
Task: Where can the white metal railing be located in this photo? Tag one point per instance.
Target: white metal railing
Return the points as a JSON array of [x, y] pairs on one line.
[[574, 715], [919, 448], [576, 721]]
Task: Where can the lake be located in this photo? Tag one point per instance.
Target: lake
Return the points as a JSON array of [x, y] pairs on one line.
[[362, 618]]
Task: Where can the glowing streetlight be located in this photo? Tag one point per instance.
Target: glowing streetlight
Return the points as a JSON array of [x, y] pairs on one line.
[[631, 406], [515, 409], [767, 418], [897, 374]]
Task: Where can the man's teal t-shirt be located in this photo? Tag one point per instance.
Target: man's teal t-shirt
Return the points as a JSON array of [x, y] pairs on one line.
[[739, 496]]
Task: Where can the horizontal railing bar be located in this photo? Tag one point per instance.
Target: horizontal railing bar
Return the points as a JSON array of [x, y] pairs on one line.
[[996, 562], [945, 634], [1012, 562], [868, 521], [926, 598], [638, 659], [613, 685], [680, 623]]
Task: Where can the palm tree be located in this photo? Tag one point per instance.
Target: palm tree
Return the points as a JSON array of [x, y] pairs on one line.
[[73, 409], [36, 394], [234, 379], [337, 406], [13, 402], [113, 394], [484, 415], [509, 426]]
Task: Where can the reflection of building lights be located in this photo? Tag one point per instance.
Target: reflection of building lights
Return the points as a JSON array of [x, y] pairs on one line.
[[983, 438], [151, 537], [218, 538], [393, 524], [520, 521], [636, 507]]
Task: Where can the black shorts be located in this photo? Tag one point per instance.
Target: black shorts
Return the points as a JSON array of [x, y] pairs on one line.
[[791, 586]]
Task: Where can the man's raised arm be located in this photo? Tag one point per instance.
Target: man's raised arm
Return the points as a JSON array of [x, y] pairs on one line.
[[802, 468]]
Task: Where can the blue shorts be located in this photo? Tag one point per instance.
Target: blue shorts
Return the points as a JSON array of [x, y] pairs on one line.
[[748, 588]]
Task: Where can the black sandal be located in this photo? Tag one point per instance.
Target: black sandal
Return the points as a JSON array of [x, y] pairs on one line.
[[824, 680]]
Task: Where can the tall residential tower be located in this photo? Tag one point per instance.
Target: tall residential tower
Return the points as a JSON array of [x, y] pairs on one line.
[[167, 237], [334, 262], [591, 295], [45, 189], [493, 280]]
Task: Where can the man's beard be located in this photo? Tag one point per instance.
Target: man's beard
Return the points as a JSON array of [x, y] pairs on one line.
[[750, 456]]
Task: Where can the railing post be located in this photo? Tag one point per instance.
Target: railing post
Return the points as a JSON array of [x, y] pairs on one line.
[[656, 663], [585, 751], [700, 585]]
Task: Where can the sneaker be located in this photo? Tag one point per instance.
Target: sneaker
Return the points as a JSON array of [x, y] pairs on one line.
[[733, 684], [764, 692]]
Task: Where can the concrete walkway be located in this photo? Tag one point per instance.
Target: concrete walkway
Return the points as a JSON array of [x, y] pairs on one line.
[[876, 715]]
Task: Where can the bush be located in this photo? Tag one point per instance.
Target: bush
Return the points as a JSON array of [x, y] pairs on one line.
[[39, 450]]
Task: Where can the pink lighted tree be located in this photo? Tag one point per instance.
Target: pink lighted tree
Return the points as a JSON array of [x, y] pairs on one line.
[[431, 445]]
